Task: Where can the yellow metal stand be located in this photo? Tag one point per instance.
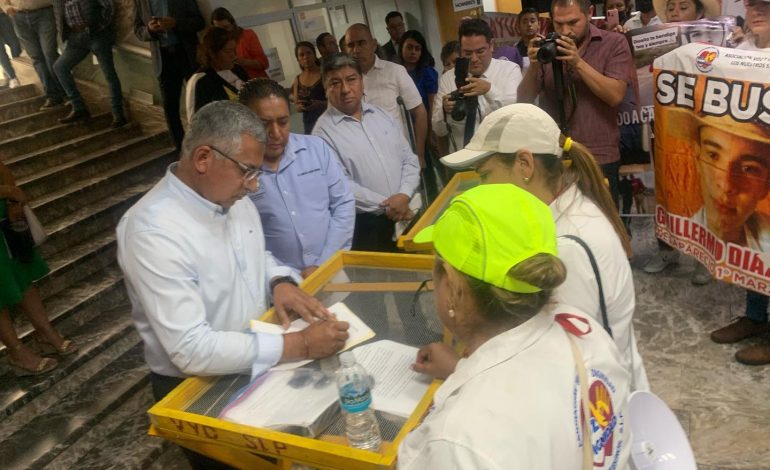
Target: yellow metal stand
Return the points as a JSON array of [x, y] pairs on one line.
[[459, 183], [245, 446]]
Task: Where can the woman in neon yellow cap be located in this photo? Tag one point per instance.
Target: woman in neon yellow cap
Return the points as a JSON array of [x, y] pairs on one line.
[[539, 377], [521, 144]]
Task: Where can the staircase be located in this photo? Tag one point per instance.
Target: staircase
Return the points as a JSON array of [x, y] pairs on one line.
[[80, 179]]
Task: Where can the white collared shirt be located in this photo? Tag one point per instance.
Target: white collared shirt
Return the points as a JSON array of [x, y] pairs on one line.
[[503, 75], [512, 404], [756, 229], [196, 275], [384, 83], [577, 215]]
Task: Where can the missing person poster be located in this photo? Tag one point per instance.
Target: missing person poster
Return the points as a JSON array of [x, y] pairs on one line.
[[651, 42], [712, 159]]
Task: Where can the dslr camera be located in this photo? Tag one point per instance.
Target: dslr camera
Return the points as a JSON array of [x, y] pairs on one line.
[[548, 51], [460, 110]]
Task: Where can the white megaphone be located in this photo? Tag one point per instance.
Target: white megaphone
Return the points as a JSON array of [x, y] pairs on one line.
[[658, 440]]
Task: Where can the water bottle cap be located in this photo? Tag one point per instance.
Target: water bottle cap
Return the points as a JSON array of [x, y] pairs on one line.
[[347, 359]]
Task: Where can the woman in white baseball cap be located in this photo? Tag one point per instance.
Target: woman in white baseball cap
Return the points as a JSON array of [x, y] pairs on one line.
[[521, 144]]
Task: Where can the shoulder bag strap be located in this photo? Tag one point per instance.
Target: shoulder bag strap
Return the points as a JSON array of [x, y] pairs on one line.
[[595, 267], [569, 329]]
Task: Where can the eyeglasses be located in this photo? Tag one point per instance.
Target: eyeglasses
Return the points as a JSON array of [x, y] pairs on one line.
[[423, 286], [249, 172]]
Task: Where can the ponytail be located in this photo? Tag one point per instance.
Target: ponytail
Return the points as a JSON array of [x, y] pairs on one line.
[[586, 174], [578, 166]]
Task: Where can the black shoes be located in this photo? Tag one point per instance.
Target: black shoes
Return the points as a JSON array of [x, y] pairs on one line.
[[51, 103], [76, 116], [118, 120]]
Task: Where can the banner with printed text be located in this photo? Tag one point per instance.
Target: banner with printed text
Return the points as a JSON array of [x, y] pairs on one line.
[[636, 113], [712, 159]]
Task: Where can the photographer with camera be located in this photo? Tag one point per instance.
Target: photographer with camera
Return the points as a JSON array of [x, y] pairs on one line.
[[597, 70], [476, 86]]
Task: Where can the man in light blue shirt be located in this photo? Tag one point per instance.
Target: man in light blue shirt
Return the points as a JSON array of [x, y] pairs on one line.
[[383, 171], [304, 201], [196, 269]]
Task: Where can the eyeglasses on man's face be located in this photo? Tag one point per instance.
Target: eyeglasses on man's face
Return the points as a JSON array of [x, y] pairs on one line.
[[250, 173]]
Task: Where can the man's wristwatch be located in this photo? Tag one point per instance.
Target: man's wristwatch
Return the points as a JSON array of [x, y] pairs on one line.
[[281, 280]]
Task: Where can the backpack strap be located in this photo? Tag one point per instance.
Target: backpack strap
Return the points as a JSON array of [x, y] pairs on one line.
[[597, 275]]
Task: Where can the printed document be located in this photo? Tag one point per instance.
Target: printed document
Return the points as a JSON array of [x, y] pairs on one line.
[[397, 388]]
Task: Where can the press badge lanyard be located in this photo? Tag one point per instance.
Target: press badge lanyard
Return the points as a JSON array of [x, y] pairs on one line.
[[565, 321]]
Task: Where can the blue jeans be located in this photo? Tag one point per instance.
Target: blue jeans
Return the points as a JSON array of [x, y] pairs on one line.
[[77, 48], [36, 30], [756, 306]]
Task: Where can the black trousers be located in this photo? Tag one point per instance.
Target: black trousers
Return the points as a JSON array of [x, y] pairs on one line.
[[612, 173], [161, 386], [176, 70], [373, 232]]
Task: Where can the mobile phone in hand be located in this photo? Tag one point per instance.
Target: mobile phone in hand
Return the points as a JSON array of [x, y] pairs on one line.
[[612, 19]]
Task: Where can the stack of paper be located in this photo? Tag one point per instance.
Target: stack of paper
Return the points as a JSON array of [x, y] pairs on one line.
[[359, 331], [300, 401], [397, 388]]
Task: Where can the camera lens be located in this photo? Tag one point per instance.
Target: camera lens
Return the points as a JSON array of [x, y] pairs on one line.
[[547, 52]]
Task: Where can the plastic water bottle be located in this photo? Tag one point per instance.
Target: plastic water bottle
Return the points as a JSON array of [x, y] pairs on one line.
[[361, 426]]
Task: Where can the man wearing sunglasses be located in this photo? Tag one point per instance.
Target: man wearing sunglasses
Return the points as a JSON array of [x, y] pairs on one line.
[[196, 269]]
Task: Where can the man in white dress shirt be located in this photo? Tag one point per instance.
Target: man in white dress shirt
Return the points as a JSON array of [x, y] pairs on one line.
[[195, 264], [385, 81], [493, 81]]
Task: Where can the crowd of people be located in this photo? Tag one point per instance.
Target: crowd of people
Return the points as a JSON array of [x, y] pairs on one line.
[[547, 286]]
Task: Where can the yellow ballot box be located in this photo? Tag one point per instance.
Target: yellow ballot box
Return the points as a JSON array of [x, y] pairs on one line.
[[458, 184], [388, 292]]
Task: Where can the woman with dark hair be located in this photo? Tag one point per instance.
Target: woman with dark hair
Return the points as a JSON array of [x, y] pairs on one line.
[[674, 11], [414, 55], [307, 91], [219, 78], [20, 267], [248, 50]]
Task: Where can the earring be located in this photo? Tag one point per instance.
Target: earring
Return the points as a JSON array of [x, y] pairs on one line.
[[451, 313], [526, 179]]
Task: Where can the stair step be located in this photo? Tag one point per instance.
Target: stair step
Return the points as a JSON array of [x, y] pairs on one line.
[[171, 459], [46, 436], [20, 125], [9, 95], [82, 260], [91, 219], [135, 170], [44, 160], [79, 303], [127, 447], [88, 166], [21, 107], [50, 137], [92, 338]]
